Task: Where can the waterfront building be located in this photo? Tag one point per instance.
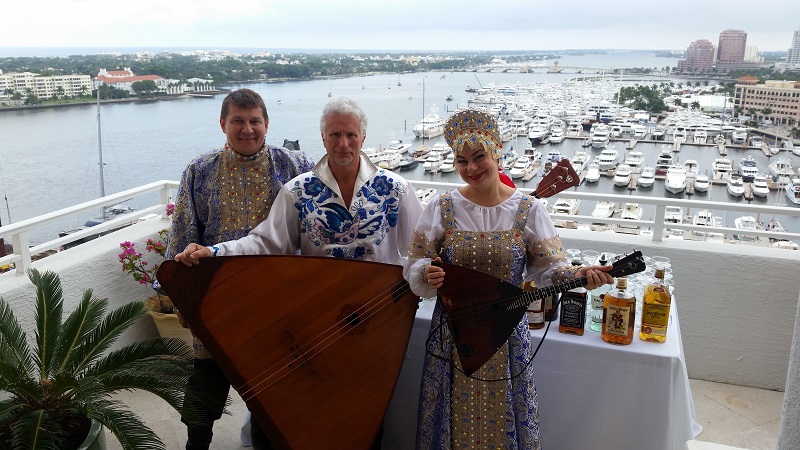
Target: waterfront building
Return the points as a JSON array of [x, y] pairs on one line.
[[43, 87], [699, 57], [781, 96], [732, 45]]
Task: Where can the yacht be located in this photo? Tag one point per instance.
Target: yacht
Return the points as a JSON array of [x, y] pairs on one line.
[[792, 189], [638, 131], [746, 223], [700, 136], [538, 134], [593, 172], [701, 182], [722, 168], [756, 141], [622, 176], [579, 160], [557, 135], [408, 163], [603, 210], [658, 133], [574, 129], [554, 156], [760, 188], [647, 177], [704, 218], [735, 185], [523, 167], [431, 125], [388, 159], [433, 162], [508, 159], [738, 136], [600, 136], [748, 169], [631, 211], [398, 146], [448, 163], [566, 206], [608, 159], [679, 136], [635, 159], [505, 130], [663, 162], [673, 214], [719, 139], [692, 168], [781, 169], [676, 179]]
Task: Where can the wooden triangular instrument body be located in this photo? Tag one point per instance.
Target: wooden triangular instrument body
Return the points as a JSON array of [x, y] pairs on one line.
[[314, 345], [482, 311]]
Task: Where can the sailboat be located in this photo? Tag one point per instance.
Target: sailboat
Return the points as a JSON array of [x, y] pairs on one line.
[[106, 212]]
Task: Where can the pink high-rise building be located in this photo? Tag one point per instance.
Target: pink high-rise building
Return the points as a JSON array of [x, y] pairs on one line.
[[732, 45], [699, 57]]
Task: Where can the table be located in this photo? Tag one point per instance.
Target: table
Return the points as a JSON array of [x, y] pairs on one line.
[[592, 394]]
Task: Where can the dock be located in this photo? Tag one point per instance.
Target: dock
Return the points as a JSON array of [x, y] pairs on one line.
[[690, 186], [631, 143], [723, 150], [748, 192], [676, 146], [765, 149]]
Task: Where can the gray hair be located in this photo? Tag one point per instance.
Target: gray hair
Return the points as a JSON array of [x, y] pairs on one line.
[[346, 106]]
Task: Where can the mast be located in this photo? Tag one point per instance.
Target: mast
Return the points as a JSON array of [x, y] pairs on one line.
[[100, 149], [423, 111]]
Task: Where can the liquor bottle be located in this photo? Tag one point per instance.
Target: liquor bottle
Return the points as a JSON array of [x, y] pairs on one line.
[[597, 295], [551, 307], [619, 314], [655, 310], [535, 312], [573, 311]]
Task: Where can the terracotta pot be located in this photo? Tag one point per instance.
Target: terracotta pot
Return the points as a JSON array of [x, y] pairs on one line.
[[168, 325]]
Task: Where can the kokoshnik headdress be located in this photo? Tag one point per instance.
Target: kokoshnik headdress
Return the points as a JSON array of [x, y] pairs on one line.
[[476, 127]]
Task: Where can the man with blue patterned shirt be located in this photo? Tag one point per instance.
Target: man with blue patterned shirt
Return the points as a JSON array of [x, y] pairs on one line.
[[224, 194]]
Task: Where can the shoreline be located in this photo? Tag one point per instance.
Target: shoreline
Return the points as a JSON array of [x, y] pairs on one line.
[[204, 94]]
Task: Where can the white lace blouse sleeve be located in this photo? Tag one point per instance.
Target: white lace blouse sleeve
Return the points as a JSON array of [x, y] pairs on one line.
[[426, 242], [546, 261]]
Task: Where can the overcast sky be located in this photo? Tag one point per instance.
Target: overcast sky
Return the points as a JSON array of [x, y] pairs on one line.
[[397, 24]]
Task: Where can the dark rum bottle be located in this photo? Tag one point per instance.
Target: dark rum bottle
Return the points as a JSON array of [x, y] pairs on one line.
[[619, 314]]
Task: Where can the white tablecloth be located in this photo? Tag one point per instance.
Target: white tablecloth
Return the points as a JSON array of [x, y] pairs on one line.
[[592, 394]]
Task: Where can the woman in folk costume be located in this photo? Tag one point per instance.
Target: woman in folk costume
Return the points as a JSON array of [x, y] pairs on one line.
[[488, 226]]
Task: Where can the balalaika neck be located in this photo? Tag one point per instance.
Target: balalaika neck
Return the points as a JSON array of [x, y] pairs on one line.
[[541, 293]]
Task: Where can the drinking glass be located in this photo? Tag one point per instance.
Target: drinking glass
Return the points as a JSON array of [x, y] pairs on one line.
[[573, 254], [590, 257], [661, 259]]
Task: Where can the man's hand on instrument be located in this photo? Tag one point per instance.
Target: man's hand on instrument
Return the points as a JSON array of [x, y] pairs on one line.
[[596, 276], [434, 275], [192, 254]]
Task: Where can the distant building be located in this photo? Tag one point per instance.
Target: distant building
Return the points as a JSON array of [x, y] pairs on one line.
[[780, 96], [124, 79], [44, 87], [699, 57], [793, 56], [731, 48]]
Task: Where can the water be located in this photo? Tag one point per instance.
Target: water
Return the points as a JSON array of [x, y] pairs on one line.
[[49, 157]]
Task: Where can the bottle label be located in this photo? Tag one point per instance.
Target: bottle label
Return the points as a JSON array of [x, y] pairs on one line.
[[573, 310], [597, 301], [617, 318], [657, 315], [535, 305], [535, 317], [654, 331]]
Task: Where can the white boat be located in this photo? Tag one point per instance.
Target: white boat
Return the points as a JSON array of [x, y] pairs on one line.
[[634, 160], [692, 168], [448, 164], [431, 125], [663, 162], [508, 159], [638, 131], [433, 162], [673, 214], [701, 182], [593, 172], [622, 175], [781, 169], [603, 210], [608, 159], [370, 152], [738, 136], [776, 227], [557, 135], [792, 189], [579, 160], [719, 139], [388, 159], [398, 146], [745, 224], [505, 130], [722, 168], [574, 129], [756, 141], [538, 134], [704, 218], [679, 136], [600, 135], [631, 211], [647, 178], [759, 187], [735, 185], [748, 169], [522, 167], [675, 180], [425, 194], [566, 206], [554, 156], [700, 136], [658, 133]]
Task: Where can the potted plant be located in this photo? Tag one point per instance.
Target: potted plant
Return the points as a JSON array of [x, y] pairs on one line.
[[53, 391], [144, 272]]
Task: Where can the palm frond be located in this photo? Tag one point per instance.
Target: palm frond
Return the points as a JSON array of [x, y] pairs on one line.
[[9, 411], [49, 309], [107, 332], [78, 325], [14, 350], [30, 431], [128, 428], [139, 351]]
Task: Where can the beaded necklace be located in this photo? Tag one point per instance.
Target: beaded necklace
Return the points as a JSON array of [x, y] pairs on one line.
[[246, 188]]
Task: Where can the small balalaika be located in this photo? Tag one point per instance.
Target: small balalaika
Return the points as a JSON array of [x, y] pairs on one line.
[[314, 345], [482, 311]]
